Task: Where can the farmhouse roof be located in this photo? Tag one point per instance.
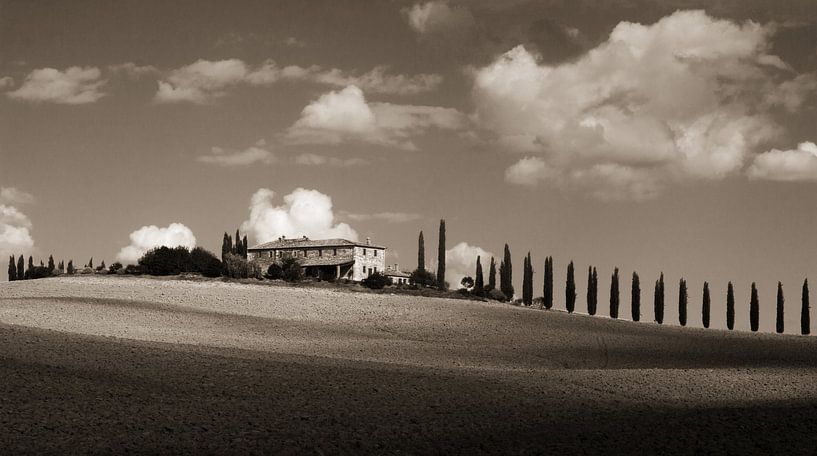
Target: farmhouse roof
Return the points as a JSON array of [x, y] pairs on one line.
[[305, 242], [395, 273], [325, 261]]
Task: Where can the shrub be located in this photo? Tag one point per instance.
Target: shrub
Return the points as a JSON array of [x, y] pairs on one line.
[[132, 269], [114, 268], [205, 263], [497, 295], [236, 266], [467, 282], [166, 261], [40, 272], [291, 269], [376, 281], [423, 278], [275, 272]]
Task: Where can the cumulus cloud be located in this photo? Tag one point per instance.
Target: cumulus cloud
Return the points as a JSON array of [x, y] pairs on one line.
[[438, 16], [15, 226], [461, 261], [249, 156], [6, 82], [75, 85], [13, 195], [310, 159], [688, 97], [133, 70], [205, 80], [304, 213], [149, 237], [390, 217], [786, 165], [344, 115]]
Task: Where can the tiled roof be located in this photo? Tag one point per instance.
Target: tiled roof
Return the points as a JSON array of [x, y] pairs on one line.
[[325, 261], [300, 243], [393, 273]]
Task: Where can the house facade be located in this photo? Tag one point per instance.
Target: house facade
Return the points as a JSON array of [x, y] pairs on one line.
[[323, 258], [397, 276]]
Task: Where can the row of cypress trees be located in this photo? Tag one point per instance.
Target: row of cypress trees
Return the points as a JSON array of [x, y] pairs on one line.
[[635, 298], [237, 247], [17, 269]]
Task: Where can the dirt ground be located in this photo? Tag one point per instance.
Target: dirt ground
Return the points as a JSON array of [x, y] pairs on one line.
[[115, 364]]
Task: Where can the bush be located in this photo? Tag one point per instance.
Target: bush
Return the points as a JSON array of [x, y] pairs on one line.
[[236, 266], [291, 269], [132, 269], [166, 261], [205, 263], [423, 278], [40, 272], [275, 272], [497, 295], [376, 281], [114, 268]]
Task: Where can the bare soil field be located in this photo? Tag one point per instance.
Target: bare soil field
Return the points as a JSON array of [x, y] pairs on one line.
[[125, 364]]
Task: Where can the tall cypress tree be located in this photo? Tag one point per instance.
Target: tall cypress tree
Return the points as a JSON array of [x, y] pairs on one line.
[[479, 284], [635, 299], [590, 310], [30, 268], [805, 317], [12, 269], [527, 286], [754, 309], [237, 245], [21, 268], [441, 257], [595, 290], [225, 247], [51, 265], [547, 288], [245, 247], [682, 302], [421, 252], [492, 275], [614, 294], [570, 289], [659, 300], [506, 275], [705, 306], [730, 306], [780, 325]]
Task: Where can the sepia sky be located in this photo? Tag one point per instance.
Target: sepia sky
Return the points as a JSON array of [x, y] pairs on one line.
[[676, 135]]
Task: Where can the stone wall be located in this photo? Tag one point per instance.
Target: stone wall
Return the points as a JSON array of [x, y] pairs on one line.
[[368, 260]]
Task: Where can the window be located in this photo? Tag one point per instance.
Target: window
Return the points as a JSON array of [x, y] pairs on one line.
[[270, 253], [305, 254], [364, 252], [375, 253], [320, 252], [335, 252], [370, 271]]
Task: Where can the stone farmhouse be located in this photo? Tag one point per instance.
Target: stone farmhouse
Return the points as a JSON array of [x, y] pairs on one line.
[[323, 258], [397, 276]]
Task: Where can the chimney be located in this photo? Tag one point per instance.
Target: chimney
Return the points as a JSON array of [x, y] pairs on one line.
[[368, 240], [396, 267]]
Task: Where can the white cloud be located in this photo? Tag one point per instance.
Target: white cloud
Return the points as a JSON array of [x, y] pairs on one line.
[[304, 213], [461, 261], [75, 85], [310, 159], [390, 217], [689, 97], [13, 195], [205, 80], [344, 115], [133, 70], [149, 237], [6, 82], [15, 232], [438, 16], [246, 157], [786, 165]]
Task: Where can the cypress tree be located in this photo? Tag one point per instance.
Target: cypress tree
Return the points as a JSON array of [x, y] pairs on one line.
[[682, 302], [245, 247], [659, 300], [506, 275], [421, 252], [754, 309], [51, 263], [570, 289], [91, 263], [441, 257], [730, 306], [547, 288], [780, 325], [225, 247], [479, 284], [527, 279], [70, 269], [590, 309], [12, 269], [21, 268], [705, 306], [635, 300], [595, 290], [30, 268], [237, 246], [805, 318], [103, 264], [492, 275], [614, 294]]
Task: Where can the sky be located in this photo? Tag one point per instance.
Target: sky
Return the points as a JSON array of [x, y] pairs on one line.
[[675, 136]]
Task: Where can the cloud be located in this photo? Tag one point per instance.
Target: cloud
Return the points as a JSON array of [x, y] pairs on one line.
[[304, 213], [150, 237], [203, 81], [461, 261], [15, 231], [390, 217], [13, 195], [688, 97], [438, 16], [246, 157], [786, 165], [310, 159], [133, 70], [75, 85], [6, 82], [344, 115]]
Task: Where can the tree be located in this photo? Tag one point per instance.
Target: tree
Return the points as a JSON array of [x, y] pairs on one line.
[[682, 302], [423, 278], [205, 263], [659, 300], [614, 294], [547, 288], [246, 247], [421, 252], [70, 269], [805, 318], [705, 306], [467, 282], [21, 268], [292, 271], [51, 265], [230, 244], [30, 268], [754, 309], [275, 272], [441, 257], [226, 246], [376, 281], [492, 275], [61, 266], [91, 263], [479, 284], [589, 297], [506, 274], [570, 289], [117, 266], [238, 244], [635, 298], [164, 260], [12, 269], [595, 290], [780, 324], [101, 266]]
